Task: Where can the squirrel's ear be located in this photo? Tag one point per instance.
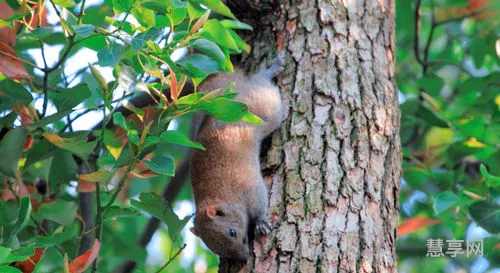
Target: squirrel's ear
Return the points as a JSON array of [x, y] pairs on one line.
[[213, 211]]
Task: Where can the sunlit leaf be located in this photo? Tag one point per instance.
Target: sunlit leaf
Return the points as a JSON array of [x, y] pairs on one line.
[[219, 7], [175, 137], [65, 3], [219, 34]]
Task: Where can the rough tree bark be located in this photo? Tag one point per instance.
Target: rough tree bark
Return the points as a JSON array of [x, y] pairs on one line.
[[334, 166]]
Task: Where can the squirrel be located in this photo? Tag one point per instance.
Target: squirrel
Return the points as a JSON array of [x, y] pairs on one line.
[[229, 190]]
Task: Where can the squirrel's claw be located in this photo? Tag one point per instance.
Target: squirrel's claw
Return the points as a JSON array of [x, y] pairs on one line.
[[277, 66], [262, 227]]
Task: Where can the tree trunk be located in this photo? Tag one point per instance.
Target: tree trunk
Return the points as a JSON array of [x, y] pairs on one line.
[[334, 166]]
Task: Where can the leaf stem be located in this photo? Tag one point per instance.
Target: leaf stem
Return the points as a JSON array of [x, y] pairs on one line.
[[169, 261]]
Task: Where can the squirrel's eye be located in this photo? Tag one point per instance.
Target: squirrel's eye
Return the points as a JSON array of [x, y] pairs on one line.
[[219, 213], [232, 233]]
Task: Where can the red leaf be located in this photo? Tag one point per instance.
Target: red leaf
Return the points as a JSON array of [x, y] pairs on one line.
[[27, 115], [174, 90], [10, 63], [82, 262], [20, 189], [414, 224], [39, 14], [28, 143], [86, 186], [478, 4], [7, 35], [27, 266]]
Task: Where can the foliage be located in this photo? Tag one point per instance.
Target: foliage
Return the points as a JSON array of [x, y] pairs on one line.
[[151, 46], [448, 75]]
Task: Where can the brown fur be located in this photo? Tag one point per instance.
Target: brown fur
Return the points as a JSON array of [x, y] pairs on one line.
[[228, 187]]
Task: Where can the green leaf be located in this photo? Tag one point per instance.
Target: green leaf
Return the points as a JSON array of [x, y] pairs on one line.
[[160, 6], [225, 109], [178, 12], [4, 253], [159, 208], [444, 201], [194, 10], [123, 5], [210, 49], [56, 238], [41, 150], [219, 7], [219, 34], [19, 254], [67, 98], [474, 127], [115, 212], [174, 137], [48, 120], [252, 118], [415, 177], [8, 120], [10, 149], [193, 98], [198, 65], [23, 215], [239, 42], [61, 212], [110, 55], [487, 215], [9, 269], [14, 4], [430, 116], [161, 165], [84, 30], [432, 84], [478, 51], [39, 33], [78, 147], [140, 39], [13, 92], [62, 169], [235, 24], [95, 43], [65, 3], [491, 181], [145, 16], [119, 120]]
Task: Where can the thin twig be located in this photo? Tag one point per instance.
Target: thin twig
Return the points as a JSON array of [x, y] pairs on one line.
[[169, 261], [19, 59]]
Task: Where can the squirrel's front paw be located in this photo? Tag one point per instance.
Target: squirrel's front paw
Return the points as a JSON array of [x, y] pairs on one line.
[[262, 227]]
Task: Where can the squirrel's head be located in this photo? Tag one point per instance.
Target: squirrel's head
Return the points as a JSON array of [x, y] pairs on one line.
[[224, 229]]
